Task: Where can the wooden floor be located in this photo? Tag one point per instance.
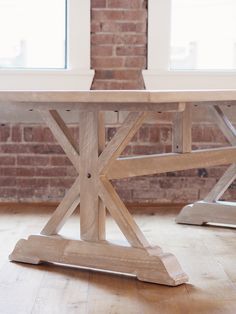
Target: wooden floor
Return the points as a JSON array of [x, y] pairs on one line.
[[207, 254]]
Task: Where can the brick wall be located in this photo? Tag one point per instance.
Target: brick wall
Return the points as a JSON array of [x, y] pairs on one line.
[[34, 168]]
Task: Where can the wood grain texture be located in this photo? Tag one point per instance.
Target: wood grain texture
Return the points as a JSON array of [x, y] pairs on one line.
[[148, 265], [152, 164], [88, 127], [182, 131], [123, 96], [101, 146], [206, 254]]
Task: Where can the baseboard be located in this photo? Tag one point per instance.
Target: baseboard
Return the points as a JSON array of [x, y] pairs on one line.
[[136, 208]]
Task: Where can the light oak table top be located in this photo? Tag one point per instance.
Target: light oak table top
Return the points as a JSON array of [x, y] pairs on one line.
[[115, 100]]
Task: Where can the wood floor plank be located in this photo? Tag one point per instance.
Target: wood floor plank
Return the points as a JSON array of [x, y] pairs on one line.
[[63, 290], [207, 254]]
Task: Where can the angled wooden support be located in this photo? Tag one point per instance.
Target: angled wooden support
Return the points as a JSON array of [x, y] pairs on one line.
[[211, 209], [94, 191], [121, 139], [64, 210], [121, 214], [62, 135]]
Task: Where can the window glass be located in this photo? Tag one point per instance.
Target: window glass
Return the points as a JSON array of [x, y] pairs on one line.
[[203, 35], [33, 34]]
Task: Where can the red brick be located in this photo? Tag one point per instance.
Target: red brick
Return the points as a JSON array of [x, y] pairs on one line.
[[128, 74], [147, 149], [60, 161], [32, 182], [207, 134], [122, 27], [102, 50], [62, 182], [7, 160], [144, 134], [8, 193], [108, 39], [31, 149], [95, 27], [135, 62], [127, 151], [46, 149], [33, 193], [38, 134], [57, 193], [125, 194], [104, 74], [131, 51], [8, 171], [98, 3], [16, 133], [154, 135], [51, 172], [124, 4], [71, 172], [109, 62], [32, 160], [25, 171], [125, 85], [166, 134], [7, 181], [4, 133], [128, 15]]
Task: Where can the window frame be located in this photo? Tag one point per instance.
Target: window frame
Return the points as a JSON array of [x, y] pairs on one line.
[[157, 75], [77, 75]]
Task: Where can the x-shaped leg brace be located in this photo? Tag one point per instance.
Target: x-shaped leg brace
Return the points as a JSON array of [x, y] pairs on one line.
[[93, 190]]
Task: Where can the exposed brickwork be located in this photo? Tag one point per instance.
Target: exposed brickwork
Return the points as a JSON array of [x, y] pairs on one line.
[[34, 167], [119, 43]]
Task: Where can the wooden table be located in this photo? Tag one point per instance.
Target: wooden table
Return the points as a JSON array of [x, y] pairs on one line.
[[97, 164]]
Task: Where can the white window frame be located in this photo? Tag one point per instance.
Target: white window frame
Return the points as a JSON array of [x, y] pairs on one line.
[[157, 75], [77, 75]]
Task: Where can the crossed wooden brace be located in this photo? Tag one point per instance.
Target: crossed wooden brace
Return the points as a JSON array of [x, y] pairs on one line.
[[93, 190]]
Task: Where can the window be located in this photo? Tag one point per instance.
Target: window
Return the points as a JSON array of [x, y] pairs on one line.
[[45, 44], [191, 44], [26, 33]]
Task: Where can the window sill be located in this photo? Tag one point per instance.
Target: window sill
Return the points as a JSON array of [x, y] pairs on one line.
[[46, 79], [185, 80]]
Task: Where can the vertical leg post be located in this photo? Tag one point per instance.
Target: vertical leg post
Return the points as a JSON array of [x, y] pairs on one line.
[[101, 146], [182, 135], [91, 223]]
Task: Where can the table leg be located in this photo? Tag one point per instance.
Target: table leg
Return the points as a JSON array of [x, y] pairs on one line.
[[211, 209], [96, 191]]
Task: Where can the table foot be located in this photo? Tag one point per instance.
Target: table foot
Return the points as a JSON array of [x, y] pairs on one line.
[[203, 212], [147, 264], [20, 254]]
